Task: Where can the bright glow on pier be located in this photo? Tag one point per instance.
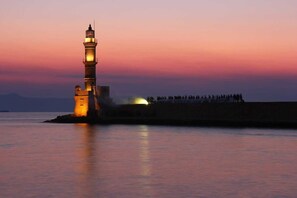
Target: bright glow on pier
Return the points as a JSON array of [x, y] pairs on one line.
[[140, 101]]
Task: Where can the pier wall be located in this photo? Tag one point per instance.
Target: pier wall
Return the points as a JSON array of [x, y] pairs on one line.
[[250, 111]]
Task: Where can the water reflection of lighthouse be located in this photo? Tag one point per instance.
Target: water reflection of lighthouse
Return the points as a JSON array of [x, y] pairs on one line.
[[88, 170]]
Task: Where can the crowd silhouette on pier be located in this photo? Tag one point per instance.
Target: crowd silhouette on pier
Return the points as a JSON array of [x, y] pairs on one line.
[[232, 98]]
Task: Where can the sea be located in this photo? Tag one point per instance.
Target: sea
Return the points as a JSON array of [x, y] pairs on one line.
[[40, 159]]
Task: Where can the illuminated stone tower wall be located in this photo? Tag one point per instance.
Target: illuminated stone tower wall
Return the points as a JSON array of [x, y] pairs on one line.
[[90, 60]]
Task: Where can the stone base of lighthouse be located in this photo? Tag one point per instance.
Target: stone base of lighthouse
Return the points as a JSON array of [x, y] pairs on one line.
[[89, 103]]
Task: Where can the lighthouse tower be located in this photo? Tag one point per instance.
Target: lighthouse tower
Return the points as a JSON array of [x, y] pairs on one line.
[[86, 100], [90, 59]]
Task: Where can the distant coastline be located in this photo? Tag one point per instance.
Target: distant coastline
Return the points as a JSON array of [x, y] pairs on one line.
[[3, 111], [17, 103]]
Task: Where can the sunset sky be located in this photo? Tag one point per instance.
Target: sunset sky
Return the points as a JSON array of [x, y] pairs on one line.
[[152, 47]]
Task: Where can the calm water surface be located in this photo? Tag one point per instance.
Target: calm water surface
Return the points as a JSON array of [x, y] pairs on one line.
[[76, 160]]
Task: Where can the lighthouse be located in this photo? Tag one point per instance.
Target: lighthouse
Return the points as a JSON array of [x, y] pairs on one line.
[[90, 100], [87, 99], [90, 60]]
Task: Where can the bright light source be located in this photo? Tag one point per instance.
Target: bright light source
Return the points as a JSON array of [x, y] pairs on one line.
[[140, 101], [90, 57], [89, 40]]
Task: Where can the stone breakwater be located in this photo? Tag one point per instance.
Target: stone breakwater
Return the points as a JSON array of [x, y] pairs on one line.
[[250, 114]]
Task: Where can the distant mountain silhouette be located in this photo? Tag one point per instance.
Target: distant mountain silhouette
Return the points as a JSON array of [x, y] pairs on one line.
[[16, 103]]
